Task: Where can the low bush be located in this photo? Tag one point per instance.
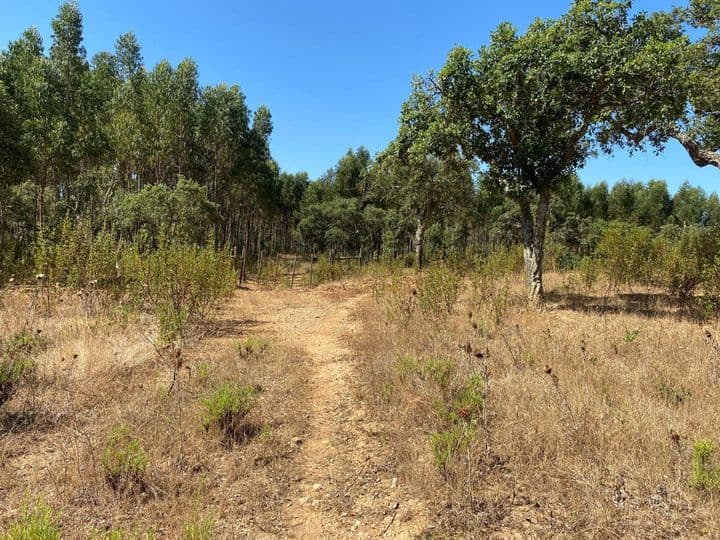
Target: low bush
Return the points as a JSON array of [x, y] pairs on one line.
[[227, 407], [180, 284], [16, 361], [252, 346], [199, 529], [36, 522], [124, 461], [705, 473], [438, 289]]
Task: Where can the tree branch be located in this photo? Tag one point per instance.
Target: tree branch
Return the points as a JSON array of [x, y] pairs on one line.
[[702, 157]]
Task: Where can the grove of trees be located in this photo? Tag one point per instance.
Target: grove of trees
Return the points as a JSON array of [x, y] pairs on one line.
[[487, 152]]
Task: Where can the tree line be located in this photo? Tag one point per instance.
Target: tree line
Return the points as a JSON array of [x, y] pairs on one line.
[[119, 145], [486, 154]]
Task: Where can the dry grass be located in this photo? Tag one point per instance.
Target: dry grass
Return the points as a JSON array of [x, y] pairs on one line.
[[100, 370], [589, 421]]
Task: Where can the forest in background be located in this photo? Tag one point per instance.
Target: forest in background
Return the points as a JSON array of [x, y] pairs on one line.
[[143, 156]]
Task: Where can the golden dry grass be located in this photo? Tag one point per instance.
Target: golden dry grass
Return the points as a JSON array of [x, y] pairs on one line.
[[591, 413], [100, 370]]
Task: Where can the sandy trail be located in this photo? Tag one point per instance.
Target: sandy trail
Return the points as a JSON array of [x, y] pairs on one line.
[[345, 486]]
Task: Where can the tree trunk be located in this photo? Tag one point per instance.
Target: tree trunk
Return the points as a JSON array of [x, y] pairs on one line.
[[419, 251], [534, 246]]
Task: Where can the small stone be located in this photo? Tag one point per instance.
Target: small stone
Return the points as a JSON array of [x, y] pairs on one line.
[[303, 500], [296, 441], [317, 487], [393, 483]]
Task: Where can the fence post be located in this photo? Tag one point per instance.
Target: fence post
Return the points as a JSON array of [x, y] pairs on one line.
[[292, 277], [312, 259]]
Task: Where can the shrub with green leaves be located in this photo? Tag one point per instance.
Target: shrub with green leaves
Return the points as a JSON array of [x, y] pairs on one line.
[[705, 473], [711, 287], [199, 529], [588, 270], [445, 444], [629, 254], [124, 460], [407, 365], [438, 289], [439, 370], [36, 522], [460, 414], [76, 257], [686, 256], [252, 346], [180, 284], [16, 361], [227, 407]]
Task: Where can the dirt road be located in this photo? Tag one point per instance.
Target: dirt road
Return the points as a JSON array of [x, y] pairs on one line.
[[346, 485]]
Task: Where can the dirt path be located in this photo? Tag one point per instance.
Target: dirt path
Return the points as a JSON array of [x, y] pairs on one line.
[[345, 486]]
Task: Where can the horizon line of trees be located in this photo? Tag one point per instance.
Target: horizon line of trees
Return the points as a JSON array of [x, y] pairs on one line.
[[486, 153]]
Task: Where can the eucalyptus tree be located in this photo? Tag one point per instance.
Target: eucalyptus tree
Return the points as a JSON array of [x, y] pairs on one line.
[[26, 74], [14, 156], [532, 108], [125, 129], [69, 69]]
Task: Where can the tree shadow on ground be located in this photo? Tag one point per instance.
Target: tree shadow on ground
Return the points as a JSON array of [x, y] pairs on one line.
[[24, 420], [644, 304], [227, 328]]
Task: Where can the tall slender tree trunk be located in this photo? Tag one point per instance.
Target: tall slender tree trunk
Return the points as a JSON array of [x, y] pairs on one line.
[[534, 246], [419, 248]]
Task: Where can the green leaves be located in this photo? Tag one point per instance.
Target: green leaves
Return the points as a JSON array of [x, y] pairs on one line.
[[534, 107]]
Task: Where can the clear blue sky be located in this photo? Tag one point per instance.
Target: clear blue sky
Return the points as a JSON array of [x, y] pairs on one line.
[[333, 73]]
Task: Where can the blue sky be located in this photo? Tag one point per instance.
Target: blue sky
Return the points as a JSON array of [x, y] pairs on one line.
[[333, 73]]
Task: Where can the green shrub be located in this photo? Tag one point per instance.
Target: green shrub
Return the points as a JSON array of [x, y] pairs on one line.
[[445, 444], [469, 402], [199, 529], [180, 284], [203, 372], [440, 370], [460, 414], [705, 474], [252, 346], [438, 289], [629, 255], [77, 258], [407, 365], [124, 460], [503, 261], [589, 271], [227, 407], [687, 255], [711, 287], [36, 522], [16, 361]]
